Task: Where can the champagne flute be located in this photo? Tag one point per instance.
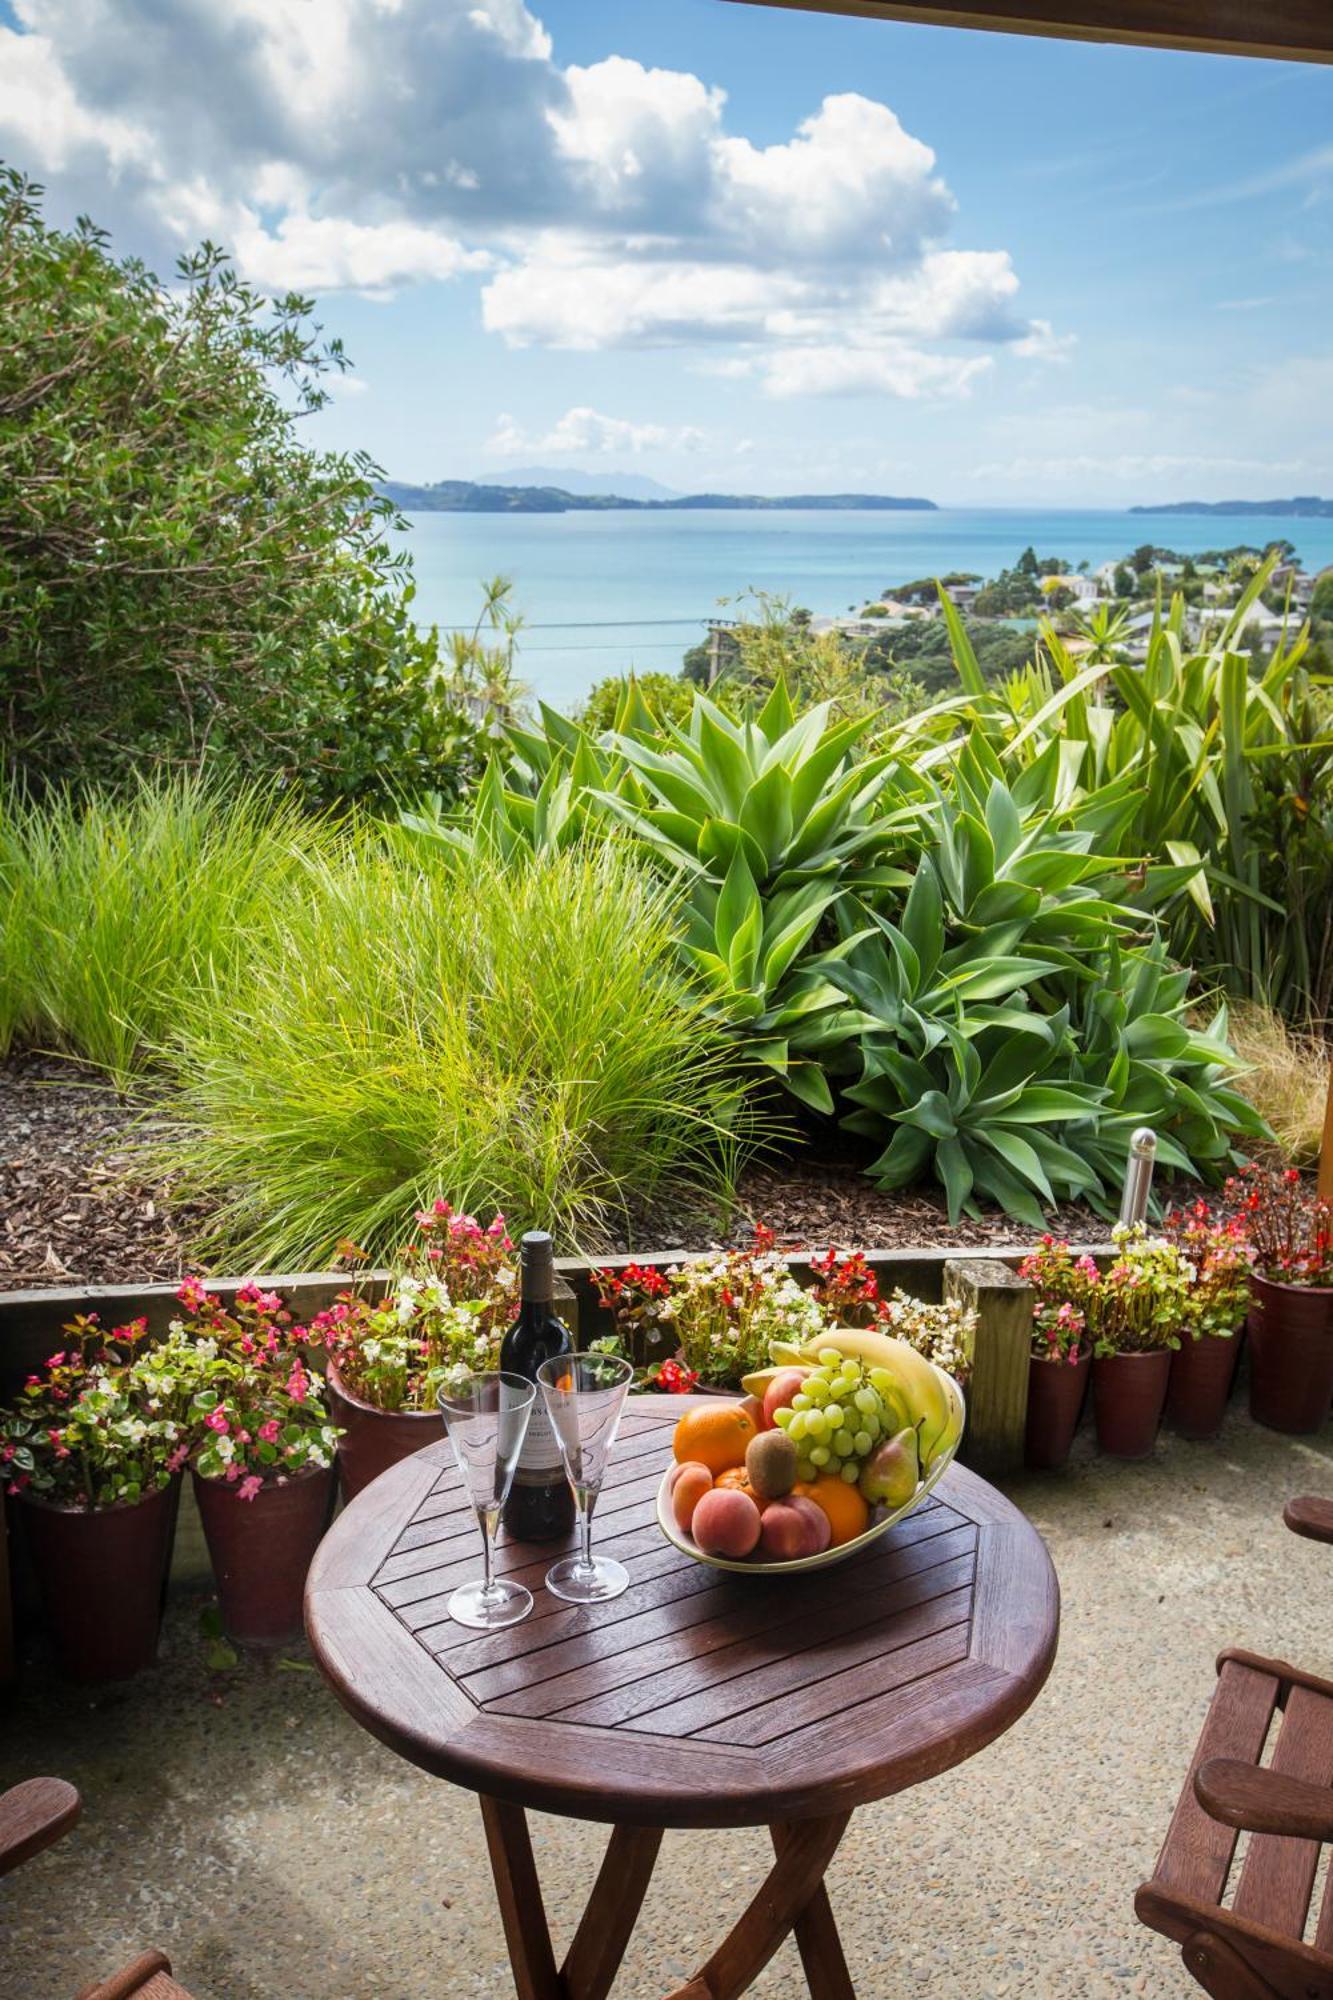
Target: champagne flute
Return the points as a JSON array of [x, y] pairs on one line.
[[585, 1394], [486, 1416]]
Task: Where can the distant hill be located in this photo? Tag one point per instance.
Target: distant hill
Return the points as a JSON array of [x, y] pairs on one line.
[[564, 479], [1305, 506], [466, 496]]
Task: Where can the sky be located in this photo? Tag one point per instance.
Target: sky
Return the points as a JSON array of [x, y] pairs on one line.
[[730, 247]]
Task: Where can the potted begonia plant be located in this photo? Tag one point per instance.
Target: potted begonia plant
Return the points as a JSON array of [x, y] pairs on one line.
[[1290, 1324], [262, 1454], [92, 1454], [1136, 1314], [454, 1292], [714, 1315], [718, 1314], [1204, 1365], [1060, 1360]]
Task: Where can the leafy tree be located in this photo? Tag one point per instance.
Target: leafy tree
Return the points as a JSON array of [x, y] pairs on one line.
[[1321, 601], [1143, 558], [182, 578], [1123, 581]]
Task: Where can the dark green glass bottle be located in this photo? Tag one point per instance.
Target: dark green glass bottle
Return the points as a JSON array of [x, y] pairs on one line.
[[540, 1507]]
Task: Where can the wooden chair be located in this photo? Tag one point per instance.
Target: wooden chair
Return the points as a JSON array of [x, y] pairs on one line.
[[1255, 1947], [34, 1816]]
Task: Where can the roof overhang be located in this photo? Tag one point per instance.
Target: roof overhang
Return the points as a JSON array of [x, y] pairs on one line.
[[1296, 30]]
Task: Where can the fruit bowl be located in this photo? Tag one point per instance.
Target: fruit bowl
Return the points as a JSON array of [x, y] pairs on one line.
[[881, 1522]]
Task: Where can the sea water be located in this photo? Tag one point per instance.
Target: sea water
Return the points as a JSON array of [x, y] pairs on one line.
[[600, 593]]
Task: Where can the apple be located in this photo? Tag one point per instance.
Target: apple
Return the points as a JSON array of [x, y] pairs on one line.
[[778, 1394]]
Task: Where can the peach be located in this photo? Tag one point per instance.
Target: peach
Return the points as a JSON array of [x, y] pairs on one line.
[[788, 1531], [780, 1391], [754, 1410], [726, 1523], [687, 1490]]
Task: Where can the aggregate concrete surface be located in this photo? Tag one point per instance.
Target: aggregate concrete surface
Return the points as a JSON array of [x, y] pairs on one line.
[[243, 1823]]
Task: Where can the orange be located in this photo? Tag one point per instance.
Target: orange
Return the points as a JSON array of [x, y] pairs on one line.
[[714, 1434], [848, 1514], [739, 1478]]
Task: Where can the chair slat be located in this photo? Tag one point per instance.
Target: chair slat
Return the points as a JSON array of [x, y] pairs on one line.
[[1278, 1873], [1196, 1855]]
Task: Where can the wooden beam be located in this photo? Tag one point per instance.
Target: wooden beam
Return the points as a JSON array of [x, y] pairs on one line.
[[1293, 30], [997, 1396]]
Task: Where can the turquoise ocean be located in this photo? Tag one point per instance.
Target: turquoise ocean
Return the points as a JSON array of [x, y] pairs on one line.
[[604, 592]]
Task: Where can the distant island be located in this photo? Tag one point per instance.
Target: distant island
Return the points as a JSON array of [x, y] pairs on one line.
[[465, 496], [1305, 506]]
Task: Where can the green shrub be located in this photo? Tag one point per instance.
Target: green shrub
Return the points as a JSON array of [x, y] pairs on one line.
[[181, 577], [508, 1034], [116, 908]]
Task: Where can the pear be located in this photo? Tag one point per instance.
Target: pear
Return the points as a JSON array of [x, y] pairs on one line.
[[891, 1474]]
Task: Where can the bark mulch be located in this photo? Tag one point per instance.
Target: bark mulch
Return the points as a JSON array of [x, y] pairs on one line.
[[76, 1206], [79, 1206]]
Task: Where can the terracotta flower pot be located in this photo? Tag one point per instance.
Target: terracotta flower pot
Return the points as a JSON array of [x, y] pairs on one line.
[[102, 1576], [1056, 1389], [261, 1549], [1291, 1355], [372, 1439], [1128, 1392], [1202, 1372]]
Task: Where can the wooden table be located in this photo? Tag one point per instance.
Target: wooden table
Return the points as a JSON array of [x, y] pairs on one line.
[[697, 1699]]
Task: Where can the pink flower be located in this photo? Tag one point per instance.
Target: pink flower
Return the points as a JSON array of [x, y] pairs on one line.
[[249, 1487], [268, 1433], [232, 1472], [217, 1420], [191, 1294]]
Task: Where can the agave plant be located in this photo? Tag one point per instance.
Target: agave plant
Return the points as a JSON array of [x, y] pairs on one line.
[[1162, 761]]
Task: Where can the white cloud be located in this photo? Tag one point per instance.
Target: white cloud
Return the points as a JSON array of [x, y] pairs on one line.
[[583, 430], [372, 144], [1043, 343], [871, 371]]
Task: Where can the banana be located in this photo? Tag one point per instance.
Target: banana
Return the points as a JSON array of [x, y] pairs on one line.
[[933, 1411]]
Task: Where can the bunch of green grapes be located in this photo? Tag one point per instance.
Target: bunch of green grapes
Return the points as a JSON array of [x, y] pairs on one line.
[[841, 1412]]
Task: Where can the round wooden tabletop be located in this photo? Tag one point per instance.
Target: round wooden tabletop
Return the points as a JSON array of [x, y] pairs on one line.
[[697, 1698]]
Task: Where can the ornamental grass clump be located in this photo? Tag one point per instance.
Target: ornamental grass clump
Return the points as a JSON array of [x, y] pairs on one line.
[[1289, 1227], [444, 1315], [119, 908], [503, 1034]]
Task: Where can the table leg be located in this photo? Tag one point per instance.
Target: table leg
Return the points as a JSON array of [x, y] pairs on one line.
[[604, 1931], [817, 1939], [520, 1897], [791, 1897], [804, 1852]]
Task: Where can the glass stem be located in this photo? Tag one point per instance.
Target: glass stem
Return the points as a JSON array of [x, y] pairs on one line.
[[585, 1526], [489, 1517]]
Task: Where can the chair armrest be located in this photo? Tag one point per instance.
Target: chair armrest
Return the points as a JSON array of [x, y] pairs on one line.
[[1310, 1515], [1263, 1801], [33, 1816]]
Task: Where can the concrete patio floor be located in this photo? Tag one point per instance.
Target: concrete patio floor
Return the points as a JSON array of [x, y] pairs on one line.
[[244, 1824]]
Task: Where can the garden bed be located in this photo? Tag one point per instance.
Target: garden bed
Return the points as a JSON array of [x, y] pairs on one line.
[[78, 1207]]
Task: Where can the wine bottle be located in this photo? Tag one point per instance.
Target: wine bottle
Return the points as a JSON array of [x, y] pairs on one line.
[[540, 1507]]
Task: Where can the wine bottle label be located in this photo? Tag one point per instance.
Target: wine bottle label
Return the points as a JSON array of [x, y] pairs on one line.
[[540, 1457]]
